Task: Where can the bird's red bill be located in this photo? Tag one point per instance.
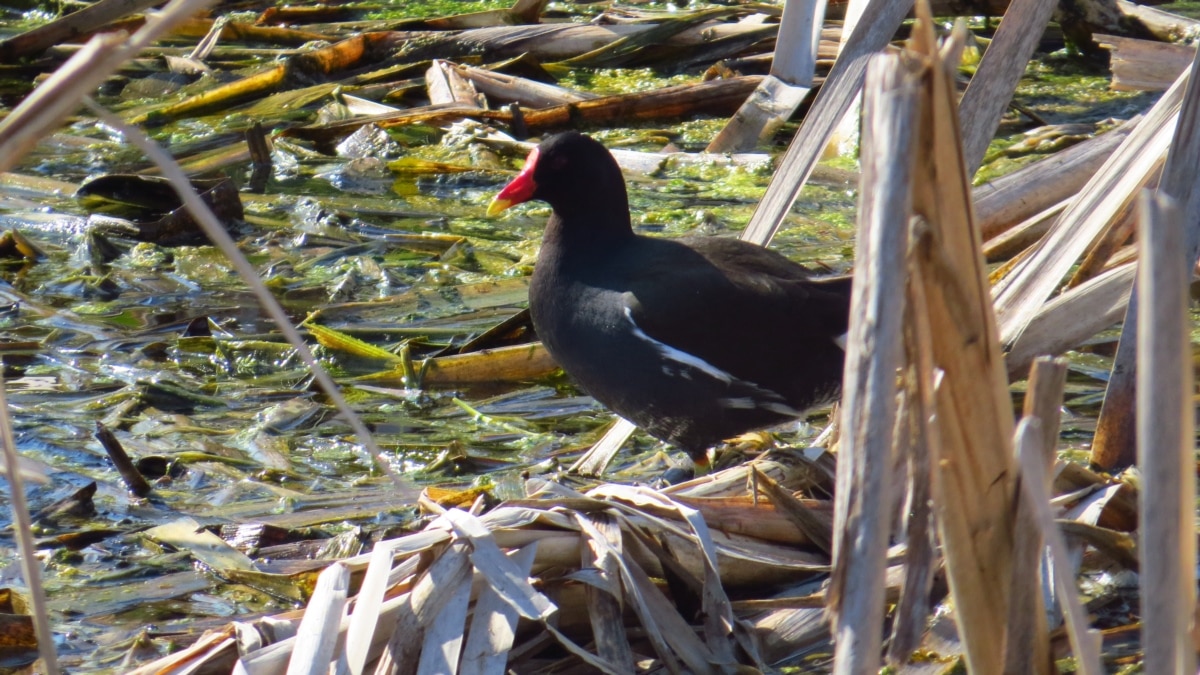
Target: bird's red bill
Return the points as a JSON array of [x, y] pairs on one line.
[[521, 188]]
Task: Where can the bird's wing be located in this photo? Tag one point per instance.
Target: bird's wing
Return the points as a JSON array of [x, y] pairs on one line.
[[739, 308]]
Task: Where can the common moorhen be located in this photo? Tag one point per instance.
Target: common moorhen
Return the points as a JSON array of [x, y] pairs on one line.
[[694, 340]]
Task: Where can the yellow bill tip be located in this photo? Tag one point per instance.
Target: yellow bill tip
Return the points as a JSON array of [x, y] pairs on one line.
[[497, 206]]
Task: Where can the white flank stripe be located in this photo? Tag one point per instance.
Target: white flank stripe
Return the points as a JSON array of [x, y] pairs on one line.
[[678, 355], [763, 398], [781, 409], [841, 340], [743, 403]]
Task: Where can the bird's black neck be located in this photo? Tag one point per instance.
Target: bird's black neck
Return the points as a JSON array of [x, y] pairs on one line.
[[581, 231]]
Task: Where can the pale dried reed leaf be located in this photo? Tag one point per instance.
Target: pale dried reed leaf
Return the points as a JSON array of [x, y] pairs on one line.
[[732, 481], [601, 541], [451, 569], [270, 660], [584, 655], [1091, 504], [501, 573], [511, 516], [715, 606], [444, 637], [402, 547], [494, 625], [599, 552], [366, 607], [670, 634], [213, 646], [319, 631], [540, 488], [786, 634]]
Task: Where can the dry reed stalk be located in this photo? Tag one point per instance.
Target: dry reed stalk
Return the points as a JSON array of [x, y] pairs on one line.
[[1003, 203], [1003, 64], [1072, 317], [1144, 65], [602, 543], [785, 87], [80, 22], [863, 505], [1012, 242], [881, 19], [1084, 641], [1027, 649], [974, 479], [1114, 443], [1021, 294], [915, 445], [531, 93], [1166, 441]]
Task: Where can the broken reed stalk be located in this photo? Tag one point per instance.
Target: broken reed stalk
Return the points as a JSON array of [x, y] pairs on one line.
[[1114, 444], [1028, 647], [1166, 441], [991, 88], [220, 238], [22, 528], [882, 18], [863, 505], [974, 478], [65, 28], [785, 87], [1085, 642]]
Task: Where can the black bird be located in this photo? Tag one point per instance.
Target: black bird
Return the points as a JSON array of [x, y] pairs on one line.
[[694, 340]]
